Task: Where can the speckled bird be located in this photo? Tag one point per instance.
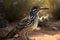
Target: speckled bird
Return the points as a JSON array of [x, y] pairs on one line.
[[30, 22]]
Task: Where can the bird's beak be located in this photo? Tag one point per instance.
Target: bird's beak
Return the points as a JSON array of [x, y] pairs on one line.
[[43, 8]]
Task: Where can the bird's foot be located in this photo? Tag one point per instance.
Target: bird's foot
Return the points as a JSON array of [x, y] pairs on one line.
[[26, 38]]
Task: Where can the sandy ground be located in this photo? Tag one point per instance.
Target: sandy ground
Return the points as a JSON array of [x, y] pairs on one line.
[[45, 34]]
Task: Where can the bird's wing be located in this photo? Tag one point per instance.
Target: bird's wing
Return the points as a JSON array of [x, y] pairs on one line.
[[24, 23]]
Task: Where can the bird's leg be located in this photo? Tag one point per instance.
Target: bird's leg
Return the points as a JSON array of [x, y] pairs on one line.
[[26, 36]]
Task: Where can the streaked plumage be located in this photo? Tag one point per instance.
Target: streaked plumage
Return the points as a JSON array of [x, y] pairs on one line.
[[28, 20]]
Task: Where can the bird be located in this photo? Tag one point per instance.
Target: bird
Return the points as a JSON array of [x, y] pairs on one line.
[[29, 23]]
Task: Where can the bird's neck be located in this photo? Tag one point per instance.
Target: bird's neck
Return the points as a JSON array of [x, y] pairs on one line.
[[33, 16], [32, 13]]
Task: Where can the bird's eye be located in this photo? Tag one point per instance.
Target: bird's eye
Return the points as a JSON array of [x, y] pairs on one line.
[[34, 10]]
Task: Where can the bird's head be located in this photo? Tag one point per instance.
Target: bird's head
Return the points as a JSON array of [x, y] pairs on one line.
[[37, 8]]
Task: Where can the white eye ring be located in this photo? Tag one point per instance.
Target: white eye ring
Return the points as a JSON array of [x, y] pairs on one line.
[[34, 10]]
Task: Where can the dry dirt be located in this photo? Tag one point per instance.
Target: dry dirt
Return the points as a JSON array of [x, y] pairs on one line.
[[45, 34]]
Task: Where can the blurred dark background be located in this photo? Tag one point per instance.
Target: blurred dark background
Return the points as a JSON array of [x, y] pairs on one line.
[[15, 10]]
